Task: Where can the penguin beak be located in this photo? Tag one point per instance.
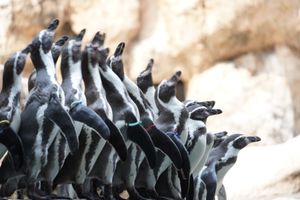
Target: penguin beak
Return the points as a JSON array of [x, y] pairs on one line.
[[53, 25], [120, 49], [175, 78], [219, 137], [253, 139], [98, 39], [13, 144], [80, 36], [214, 112], [27, 50], [61, 41]]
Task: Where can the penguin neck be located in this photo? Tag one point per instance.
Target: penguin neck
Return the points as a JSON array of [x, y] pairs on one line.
[[115, 81], [173, 106], [12, 88], [117, 86], [45, 67], [150, 96], [72, 75]]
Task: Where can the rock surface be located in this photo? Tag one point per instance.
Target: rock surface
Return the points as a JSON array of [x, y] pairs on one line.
[[254, 93]]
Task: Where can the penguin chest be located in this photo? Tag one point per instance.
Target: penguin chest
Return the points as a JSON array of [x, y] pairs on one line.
[[16, 120]]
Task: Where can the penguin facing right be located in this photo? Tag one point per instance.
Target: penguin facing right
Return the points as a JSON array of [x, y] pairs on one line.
[[44, 104], [220, 161]]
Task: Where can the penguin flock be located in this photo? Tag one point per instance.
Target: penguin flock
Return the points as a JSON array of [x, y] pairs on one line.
[[98, 134]]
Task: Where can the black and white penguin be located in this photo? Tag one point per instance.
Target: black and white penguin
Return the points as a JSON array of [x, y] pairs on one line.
[[145, 82], [91, 145], [127, 118], [44, 105], [172, 121], [196, 125], [160, 139], [55, 50], [219, 162], [10, 111], [76, 103], [195, 144]]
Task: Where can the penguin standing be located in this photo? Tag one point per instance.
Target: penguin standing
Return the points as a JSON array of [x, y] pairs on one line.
[[45, 103], [127, 119], [91, 145], [219, 162], [12, 184], [10, 115], [171, 120], [145, 82], [10, 111], [160, 139]]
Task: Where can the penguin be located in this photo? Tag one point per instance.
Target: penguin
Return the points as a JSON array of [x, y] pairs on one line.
[[55, 50], [127, 119], [196, 125], [76, 103], [171, 120], [220, 161], [91, 145], [12, 184], [10, 111], [195, 145], [45, 102], [160, 139], [145, 82]]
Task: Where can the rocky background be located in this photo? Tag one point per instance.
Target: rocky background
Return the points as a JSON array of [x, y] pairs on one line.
[[244, 54]]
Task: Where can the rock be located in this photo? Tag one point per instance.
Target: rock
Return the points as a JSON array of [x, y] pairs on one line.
[[117, 18], [253, 93], [193, 35], [265, 173]]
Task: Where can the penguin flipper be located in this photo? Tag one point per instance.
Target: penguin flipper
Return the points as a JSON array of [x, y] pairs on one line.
[[13, 144], [186, 166], [141, 137], [116, 139], [166, 145], [191, 190], [89, 117], [57, 114], [209, 177]]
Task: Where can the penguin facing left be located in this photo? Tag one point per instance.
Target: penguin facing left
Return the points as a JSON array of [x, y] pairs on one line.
[[45, 102], [220, 161], [10, 111]]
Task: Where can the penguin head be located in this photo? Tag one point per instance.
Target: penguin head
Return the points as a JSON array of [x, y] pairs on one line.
[[14, 66], [73, 48], [16, 61], [45, 37], [115, 62], [167, 88], [144, 80], [200, 112], [208, 104], [57, 46], [91, 50], [235, 142]]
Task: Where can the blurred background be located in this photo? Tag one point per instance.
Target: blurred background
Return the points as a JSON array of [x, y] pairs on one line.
[[244, 54]]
